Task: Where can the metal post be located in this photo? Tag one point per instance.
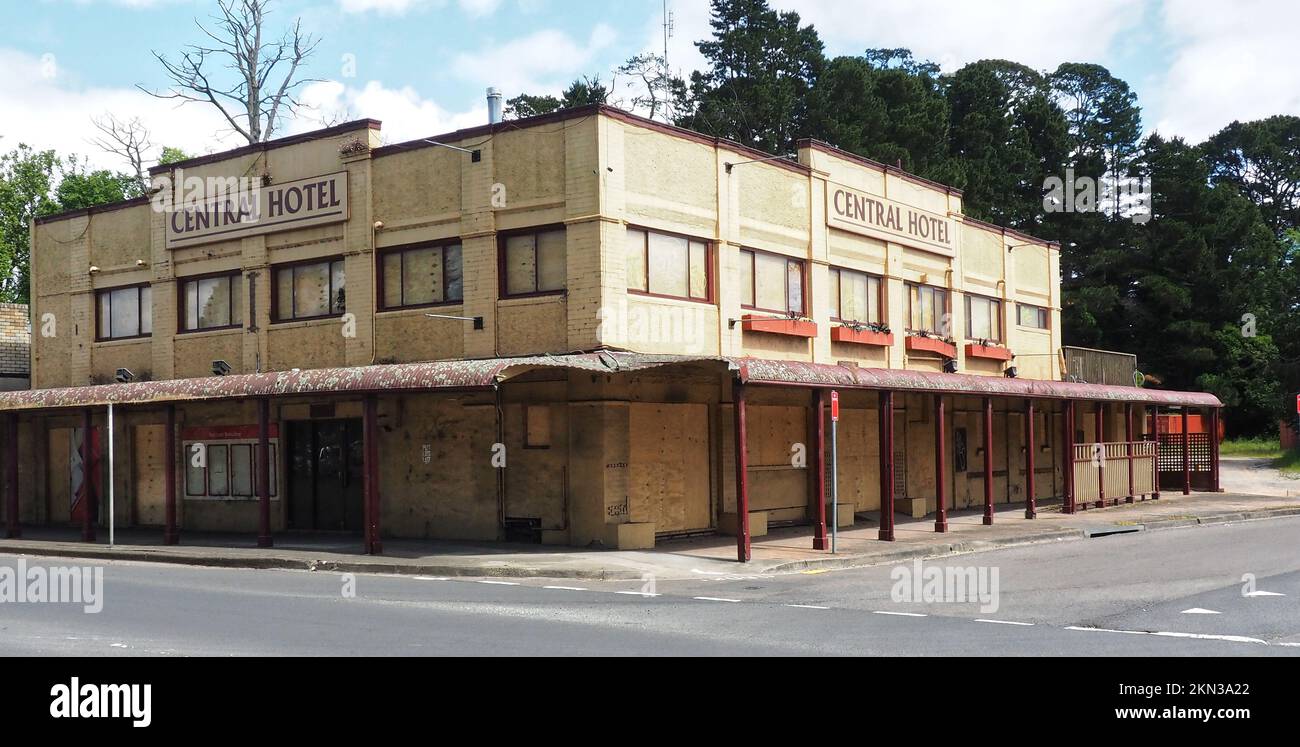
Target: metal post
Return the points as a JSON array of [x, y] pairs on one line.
[[1155, 463], [1100, 427], [1214, 450], [1070, 496], [14, 527], [1128, 437], [264, 473], [818, 472], [88, 496], [171, 535], [988, 461], [112, 502], [374, 545], [1031, 463], [835, 485], [940, 467], [1187, 454], [744, 549], [887, 466]]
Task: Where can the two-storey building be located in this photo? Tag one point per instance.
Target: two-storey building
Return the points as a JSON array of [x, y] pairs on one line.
[[579, 328]]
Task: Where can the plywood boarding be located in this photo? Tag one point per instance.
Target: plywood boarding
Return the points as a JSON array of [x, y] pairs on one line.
[[669, 466], [150, 475]]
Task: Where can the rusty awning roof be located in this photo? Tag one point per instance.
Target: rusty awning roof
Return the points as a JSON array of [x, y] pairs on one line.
[[795, 373], [449, 376]]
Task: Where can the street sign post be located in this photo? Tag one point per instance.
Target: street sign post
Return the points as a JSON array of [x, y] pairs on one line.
[[835, 470]]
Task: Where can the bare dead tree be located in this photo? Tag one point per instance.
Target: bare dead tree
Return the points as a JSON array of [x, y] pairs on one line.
[[128, 139], [252, 103]]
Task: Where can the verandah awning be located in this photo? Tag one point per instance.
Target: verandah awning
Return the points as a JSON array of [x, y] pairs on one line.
[[485, 374]]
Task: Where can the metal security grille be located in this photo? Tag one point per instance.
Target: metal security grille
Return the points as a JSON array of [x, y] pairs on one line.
[[1171, 452]]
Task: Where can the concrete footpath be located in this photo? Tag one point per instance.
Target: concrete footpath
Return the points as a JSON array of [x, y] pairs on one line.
[[785, 550]]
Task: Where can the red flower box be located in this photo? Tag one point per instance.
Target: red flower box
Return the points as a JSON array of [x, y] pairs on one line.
[[787, 327], [931, 345], [987, 351], [862, 337]]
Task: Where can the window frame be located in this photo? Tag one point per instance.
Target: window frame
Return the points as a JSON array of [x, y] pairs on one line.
[[838, 316], [911, 307], [442, 244], [1001, 318], [182, 306], [1044, 313], [710, 248], [289, 266], [138, 287], [502, 282], [802, 313]]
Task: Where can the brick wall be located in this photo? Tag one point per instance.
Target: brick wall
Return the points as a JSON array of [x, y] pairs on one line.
[[15, 340]]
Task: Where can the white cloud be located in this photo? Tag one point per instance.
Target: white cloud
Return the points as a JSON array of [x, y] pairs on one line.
[[1232, 61], [406, 116], [45, 110], [472, 8], [543, 61]]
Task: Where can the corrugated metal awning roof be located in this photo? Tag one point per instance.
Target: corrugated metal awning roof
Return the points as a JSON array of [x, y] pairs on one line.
[[484, 374], [795, 373]]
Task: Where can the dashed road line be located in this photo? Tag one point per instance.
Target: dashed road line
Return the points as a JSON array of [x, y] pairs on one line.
[[1208, 637], [645, 594], [1006, 622], [564, 588], [717, 599], [806, 607], [900, 614], [497, 583]]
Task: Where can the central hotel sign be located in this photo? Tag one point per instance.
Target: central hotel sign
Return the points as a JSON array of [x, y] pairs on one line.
[[317, 201], [882, 218]]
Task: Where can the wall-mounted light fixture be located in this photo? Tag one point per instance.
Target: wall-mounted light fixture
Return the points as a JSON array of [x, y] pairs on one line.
[[950, 366], [94, 270], [124, 376], [477, 320], [220, 368]]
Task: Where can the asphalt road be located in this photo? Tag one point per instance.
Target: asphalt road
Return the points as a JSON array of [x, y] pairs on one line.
[[1178, 592]]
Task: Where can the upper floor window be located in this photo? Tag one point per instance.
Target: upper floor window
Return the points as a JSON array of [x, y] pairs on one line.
[[1035, 317], [421, 276], [855, 297], [534, 263], [771, 282], [663, 265], [311, 290], [983, 318], [125, 313], [928, 310], [212, 302]]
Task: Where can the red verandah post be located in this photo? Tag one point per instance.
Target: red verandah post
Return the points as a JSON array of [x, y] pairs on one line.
[[744, 549], [1187, 453], [940, 467], [88, 496], [1068, 420], [988, 461], [264, 473], [370, 429], [14, 527], [1101, 445], [886, 466], [1214, 450], [1031, 458], [818, 472], [1128, 438]]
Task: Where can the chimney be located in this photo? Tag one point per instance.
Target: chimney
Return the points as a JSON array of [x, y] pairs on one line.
[[494, 106]]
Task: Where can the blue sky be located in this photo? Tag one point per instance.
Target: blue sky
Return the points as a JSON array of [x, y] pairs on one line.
[[422, 65]]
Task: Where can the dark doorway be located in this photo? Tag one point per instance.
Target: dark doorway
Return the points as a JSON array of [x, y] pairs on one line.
[[325, 476]]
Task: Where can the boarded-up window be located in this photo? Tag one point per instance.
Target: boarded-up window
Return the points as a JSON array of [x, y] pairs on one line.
[[213, 303], [666, 265], [771, 282], [855, 297], [983, 319], [536, 263], [422, 276], [310, 291], [537, 427]]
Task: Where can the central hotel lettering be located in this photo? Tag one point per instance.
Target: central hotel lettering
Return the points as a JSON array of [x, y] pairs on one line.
[[384, 348], [261, 209]]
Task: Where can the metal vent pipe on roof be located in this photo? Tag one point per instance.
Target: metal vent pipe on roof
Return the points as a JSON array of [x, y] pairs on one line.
[[494, 99]]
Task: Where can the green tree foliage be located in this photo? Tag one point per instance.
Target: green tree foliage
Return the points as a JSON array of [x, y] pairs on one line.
[[582, 92]]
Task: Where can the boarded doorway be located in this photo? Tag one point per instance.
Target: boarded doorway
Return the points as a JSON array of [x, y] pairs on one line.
[[669, 483], [149, 476]]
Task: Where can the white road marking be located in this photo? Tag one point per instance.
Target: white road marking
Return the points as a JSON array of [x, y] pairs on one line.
[[1199, 611], [430, 578], [1288, 645], [1006, 622], [645, 594], [1108, 630], [900, 614], [564, 588], [497, 583], [1255, 594], [806, 607], [716, 599], [1206, 637]]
